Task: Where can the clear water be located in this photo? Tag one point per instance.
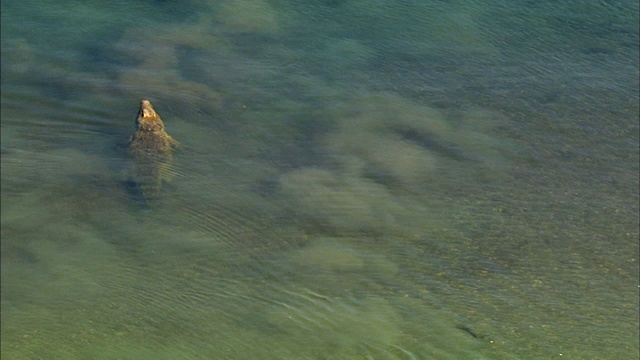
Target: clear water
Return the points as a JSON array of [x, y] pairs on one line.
[[358, 180]]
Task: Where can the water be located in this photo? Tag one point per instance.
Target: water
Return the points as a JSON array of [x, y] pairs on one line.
[[358, 180]]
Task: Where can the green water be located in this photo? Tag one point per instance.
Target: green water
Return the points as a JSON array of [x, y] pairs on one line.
[[357, 180]]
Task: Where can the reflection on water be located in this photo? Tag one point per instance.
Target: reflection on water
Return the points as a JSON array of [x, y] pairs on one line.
[[357, 180]]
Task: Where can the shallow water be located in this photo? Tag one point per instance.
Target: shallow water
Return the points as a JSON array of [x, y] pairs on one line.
[[357, 180]]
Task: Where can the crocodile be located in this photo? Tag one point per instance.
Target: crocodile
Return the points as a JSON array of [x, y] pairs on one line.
[[150, 152]]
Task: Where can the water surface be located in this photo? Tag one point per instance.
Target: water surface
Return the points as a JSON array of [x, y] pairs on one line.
[[358, 180]]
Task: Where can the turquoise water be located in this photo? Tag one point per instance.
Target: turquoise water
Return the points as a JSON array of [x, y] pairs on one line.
[[357, 180]]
